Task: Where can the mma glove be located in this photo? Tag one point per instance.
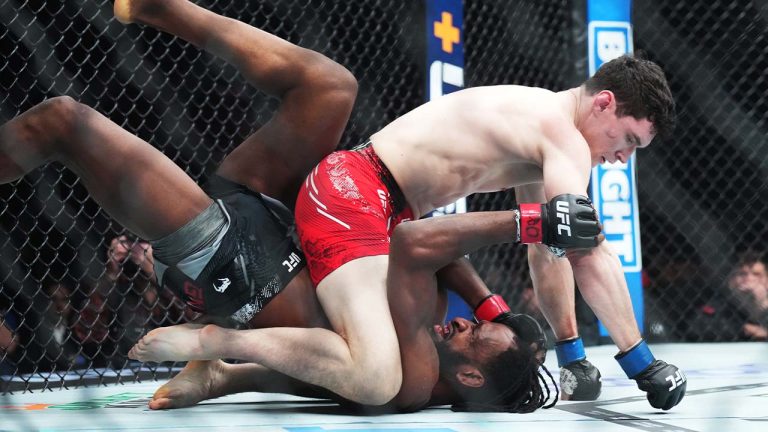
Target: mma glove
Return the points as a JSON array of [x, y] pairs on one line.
[[663, 383], [580, 380], [493, 308], [567, 221]]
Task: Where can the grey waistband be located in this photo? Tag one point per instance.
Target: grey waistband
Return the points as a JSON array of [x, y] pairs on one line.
[[196, 235]]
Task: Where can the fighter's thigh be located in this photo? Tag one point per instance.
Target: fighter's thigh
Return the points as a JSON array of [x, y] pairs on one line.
[[134, 182], [354, 297], [276, 159]]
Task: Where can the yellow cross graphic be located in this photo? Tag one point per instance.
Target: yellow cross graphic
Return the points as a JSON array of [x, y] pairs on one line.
[[447, 32]]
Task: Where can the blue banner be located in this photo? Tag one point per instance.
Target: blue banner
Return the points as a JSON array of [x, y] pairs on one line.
[[445, 47], [445, 74], [445, 62], [613, 186]]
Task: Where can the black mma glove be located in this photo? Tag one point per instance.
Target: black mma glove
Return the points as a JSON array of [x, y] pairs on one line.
[[567, 221], [579, 379], [664, 383], [494, 308]]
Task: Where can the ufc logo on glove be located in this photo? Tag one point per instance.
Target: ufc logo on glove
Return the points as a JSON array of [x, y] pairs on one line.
[[565, 220]]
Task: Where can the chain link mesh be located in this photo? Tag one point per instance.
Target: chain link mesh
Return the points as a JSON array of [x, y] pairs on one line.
[[702, 194], [537, 49]]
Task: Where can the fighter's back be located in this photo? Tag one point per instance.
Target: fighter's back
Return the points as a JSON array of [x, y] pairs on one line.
[[480, 139]]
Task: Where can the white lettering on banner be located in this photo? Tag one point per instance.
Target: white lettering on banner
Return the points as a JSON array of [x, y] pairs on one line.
[[457, 207], [607, 40], [441, 73], [444, 210], [620, 229], [616, 209], [614, 185], [611, 44]]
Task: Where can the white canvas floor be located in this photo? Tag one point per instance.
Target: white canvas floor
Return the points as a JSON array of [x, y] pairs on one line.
[[727, 391]]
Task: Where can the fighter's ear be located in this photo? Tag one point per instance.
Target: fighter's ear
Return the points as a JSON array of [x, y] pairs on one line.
[[470, 376], [604, 100]]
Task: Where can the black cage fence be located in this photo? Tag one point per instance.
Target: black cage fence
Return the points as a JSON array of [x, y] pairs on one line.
[[703, 193]]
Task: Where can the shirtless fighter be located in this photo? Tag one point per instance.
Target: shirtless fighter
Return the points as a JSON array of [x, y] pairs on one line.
[[488, 139]]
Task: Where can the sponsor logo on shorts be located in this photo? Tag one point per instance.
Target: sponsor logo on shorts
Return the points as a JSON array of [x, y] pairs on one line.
[[224, 284], [194, 297], [384, 198], [293, 260]]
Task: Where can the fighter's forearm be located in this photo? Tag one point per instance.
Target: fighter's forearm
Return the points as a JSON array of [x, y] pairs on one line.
[[461, 277], [553, 283], [602, 284], [436, 242]]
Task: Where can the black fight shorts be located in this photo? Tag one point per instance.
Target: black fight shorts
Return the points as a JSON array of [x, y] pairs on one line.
[[253, 261]]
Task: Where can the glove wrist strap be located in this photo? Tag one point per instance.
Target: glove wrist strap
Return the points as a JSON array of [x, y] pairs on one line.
[[570, 351], [636, 360], [491, 307], [517, 225], [531, 223]]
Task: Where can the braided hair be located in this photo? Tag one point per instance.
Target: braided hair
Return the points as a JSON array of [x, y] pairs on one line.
[[514, 382]]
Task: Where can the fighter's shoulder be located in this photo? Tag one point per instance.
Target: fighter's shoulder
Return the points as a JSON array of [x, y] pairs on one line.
[[505, 91], [558, 128]]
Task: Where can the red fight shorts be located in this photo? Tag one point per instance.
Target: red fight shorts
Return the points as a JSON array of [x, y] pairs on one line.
[[346, 209]]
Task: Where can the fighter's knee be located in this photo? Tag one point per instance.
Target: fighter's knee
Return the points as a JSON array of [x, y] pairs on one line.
[[60, 115], [378, 392], [380, 385], [337, 80], [346, 83], [63, 107]]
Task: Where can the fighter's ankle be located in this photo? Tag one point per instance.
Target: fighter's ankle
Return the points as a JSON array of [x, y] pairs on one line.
[[217, 383]]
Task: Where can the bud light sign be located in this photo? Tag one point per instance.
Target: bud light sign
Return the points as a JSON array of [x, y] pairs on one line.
[[613, 187]]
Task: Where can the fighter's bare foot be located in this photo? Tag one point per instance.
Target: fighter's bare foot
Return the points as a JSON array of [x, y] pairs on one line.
[[198, 381], [129, 11], [179, 343]]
